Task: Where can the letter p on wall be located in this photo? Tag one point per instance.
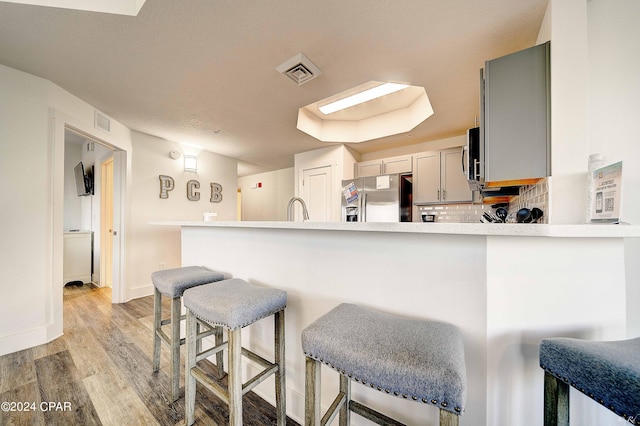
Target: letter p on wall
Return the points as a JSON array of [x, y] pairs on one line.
[[166, 184]]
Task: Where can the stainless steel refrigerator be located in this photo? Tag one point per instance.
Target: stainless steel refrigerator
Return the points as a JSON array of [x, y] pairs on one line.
[[385, 198]]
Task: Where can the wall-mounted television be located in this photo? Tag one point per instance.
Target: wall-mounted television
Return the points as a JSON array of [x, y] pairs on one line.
[[84, 180]]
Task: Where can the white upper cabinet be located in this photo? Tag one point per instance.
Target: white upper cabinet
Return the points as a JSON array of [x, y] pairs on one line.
[[385, 166], [369, 168], [438, 178]]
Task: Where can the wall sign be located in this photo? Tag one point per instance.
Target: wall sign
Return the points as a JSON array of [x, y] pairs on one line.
[[168, 184], [607, 193]]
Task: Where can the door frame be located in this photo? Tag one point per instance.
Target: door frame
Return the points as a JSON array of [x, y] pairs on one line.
[[58, 122]]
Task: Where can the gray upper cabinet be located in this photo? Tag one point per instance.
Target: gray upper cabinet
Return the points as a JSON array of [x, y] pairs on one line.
[[515, 115]]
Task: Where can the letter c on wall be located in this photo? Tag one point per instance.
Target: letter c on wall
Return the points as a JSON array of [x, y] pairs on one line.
[[192, 194]]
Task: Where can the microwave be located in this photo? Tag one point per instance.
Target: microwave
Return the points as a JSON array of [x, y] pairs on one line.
[[472, 164]]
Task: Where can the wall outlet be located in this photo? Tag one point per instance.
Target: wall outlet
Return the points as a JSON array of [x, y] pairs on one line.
[[161, 265]]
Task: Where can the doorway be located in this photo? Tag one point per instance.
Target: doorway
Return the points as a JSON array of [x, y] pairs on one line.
[[101, 212]]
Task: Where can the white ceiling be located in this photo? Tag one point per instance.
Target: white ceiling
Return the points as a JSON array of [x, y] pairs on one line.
[[203, 71]]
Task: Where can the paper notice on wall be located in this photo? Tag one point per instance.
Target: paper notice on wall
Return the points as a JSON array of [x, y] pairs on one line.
[[607, 193], [350, 193], [383, 182]]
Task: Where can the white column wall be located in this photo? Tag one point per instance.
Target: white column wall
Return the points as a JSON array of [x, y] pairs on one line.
[[614, 90]]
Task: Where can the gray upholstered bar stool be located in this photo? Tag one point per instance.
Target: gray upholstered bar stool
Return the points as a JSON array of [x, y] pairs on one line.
[[172, 283], [233, 304], [607, 372], [418, 360]]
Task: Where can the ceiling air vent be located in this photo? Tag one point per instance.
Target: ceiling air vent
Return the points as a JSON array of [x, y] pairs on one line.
[[300, 69]]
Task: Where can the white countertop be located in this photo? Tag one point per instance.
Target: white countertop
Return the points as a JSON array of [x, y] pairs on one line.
[[510, 229]]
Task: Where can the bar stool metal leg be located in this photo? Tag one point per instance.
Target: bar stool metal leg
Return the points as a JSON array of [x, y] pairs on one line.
[[281, 403], [345, 413], [556, 401], [220, 355], [447, 418], [157, 323], [176, 313], [190, 362], [312, 392], [235, 377]]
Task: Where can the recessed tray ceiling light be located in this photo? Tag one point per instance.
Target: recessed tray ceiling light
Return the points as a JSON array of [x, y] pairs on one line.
[[362, 97], [401, 109]]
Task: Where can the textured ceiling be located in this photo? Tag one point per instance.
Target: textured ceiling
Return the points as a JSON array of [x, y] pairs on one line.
[[203, 71]]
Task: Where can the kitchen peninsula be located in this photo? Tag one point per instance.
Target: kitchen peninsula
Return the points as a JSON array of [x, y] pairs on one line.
[[505, 286]]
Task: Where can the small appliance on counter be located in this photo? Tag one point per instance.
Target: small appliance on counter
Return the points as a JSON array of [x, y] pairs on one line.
[[385, 198], [427, 217]]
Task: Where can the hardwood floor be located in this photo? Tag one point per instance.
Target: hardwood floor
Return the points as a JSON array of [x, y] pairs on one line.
[[100, 372]]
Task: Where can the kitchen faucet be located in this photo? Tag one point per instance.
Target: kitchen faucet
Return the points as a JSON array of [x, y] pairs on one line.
[[305, 213]]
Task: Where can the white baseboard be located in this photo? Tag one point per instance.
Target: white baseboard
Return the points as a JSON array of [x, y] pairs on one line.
[[24, 340], [141, 291]]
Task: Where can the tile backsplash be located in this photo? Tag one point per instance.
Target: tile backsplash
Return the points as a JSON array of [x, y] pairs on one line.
[[530, 196], [454, 213]]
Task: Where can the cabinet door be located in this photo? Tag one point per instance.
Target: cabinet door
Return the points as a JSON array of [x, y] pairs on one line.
[[426, 177], [369, 168], [397, 164], [454, 182], [76, 263], [516, 115]]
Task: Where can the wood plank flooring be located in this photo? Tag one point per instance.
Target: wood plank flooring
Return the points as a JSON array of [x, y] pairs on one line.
[[100, 372]]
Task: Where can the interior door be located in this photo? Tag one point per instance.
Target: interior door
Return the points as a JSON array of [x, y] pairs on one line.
[[106, 224], [316, 192]]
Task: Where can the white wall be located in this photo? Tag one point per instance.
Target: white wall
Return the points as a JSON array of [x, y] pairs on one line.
[[268, 202], [150, 246], [614, 90], [32, 115], [26, 243], [569, 99], [595, 87]]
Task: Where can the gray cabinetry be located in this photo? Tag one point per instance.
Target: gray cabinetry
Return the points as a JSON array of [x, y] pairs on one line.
[[438, 177], [515, 115]]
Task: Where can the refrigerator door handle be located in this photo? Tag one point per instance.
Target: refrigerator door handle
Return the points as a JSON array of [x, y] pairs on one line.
[[363, 208]]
